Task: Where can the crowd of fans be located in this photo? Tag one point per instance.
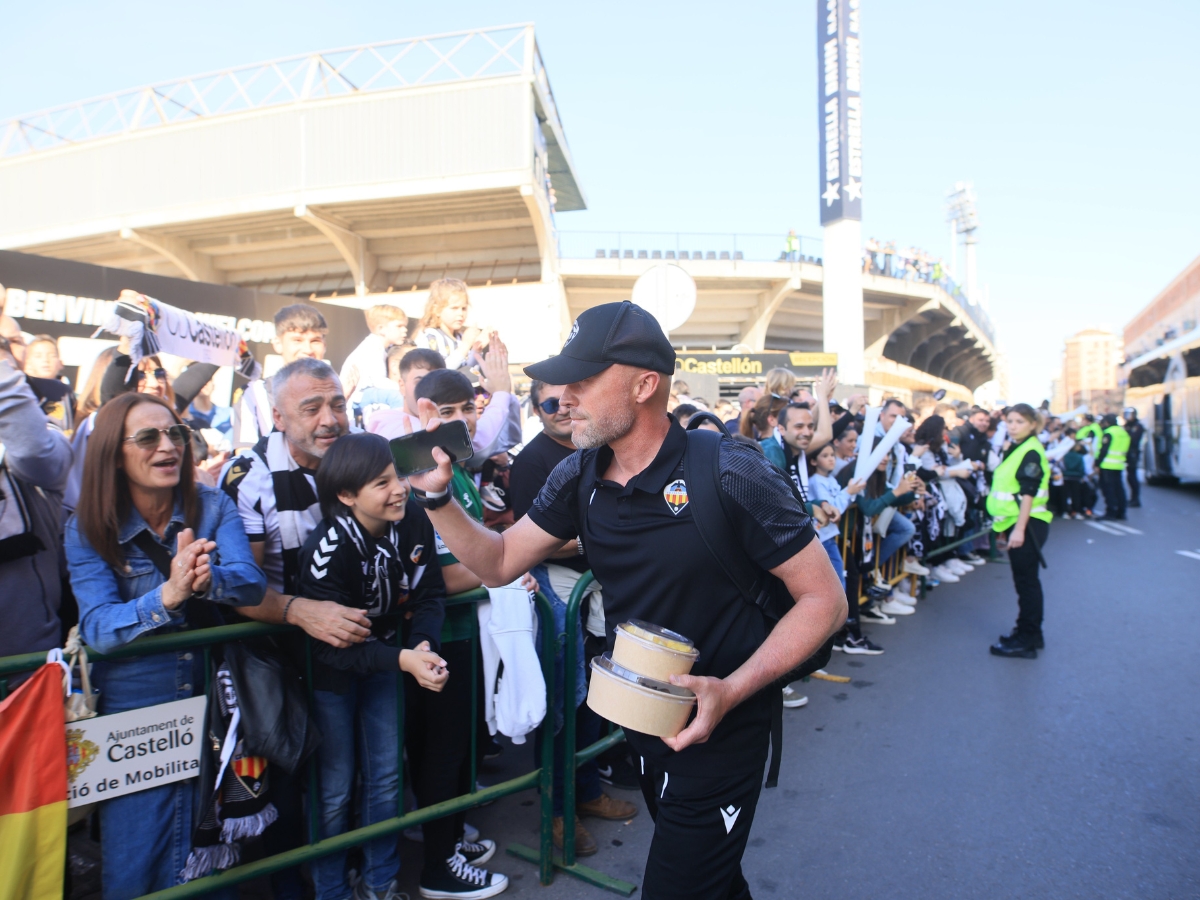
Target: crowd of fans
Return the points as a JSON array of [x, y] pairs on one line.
[[137, 504]]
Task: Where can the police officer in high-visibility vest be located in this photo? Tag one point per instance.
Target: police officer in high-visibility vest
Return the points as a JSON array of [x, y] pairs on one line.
[[1110, 460], [1017, 504]]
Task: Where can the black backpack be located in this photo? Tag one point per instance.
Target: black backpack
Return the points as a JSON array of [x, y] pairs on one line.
[[759, 588]]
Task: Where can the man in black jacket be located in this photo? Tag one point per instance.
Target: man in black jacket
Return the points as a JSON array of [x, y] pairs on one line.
[[1137, 431]]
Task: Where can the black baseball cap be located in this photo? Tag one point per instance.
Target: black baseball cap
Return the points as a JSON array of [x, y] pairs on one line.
[[607, 334]]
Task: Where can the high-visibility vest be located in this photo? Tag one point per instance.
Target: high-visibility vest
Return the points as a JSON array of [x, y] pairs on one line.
[[1004, 502], [1090, 435], [1118, 448]]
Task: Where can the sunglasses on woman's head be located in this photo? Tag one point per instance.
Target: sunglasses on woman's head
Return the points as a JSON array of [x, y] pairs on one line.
[[150, 438], [549, 407], [160, 375]]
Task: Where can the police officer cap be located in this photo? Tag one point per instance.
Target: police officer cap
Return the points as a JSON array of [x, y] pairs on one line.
[[604, 335]]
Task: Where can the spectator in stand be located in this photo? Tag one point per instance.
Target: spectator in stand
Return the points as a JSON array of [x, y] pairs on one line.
[[274, 488], [143, 555], [845, 447], [36, 462], [684, 412], [945, 469], [300, 332], [42, 359], [373, 551], [202, 412], [758, 421], [497, 428], [387, 396], [443, 326], [828, 493], [873, 505], [557, 577], [88, 398], [781, 382], [150, 378], [366, 366]]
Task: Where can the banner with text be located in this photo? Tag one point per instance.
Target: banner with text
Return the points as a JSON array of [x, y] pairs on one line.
[[109, 756], [839, 109]]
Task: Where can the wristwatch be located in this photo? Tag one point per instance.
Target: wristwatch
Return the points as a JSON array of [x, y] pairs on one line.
[[431, 501]]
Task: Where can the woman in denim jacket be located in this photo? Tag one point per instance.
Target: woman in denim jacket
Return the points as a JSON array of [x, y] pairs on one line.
[[140, 486]]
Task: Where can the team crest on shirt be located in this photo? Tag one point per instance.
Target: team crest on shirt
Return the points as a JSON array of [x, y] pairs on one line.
[[415, 556], [676, 495]]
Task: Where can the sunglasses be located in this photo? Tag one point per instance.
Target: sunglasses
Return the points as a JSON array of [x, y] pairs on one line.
[[549, 407], [150, 438], [160, 375]]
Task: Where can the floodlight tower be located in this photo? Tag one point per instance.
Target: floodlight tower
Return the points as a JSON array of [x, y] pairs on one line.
[[961, 212]]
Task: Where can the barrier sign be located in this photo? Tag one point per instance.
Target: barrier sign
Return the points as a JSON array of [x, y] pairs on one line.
[[751, 365], [110, 756]]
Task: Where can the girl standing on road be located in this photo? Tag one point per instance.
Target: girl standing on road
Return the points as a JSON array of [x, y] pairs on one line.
[[1018, 507]]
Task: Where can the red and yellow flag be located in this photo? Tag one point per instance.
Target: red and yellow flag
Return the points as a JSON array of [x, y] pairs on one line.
[[33, 788]]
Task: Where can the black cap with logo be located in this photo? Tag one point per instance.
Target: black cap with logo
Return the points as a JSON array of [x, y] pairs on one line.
[[604, 335]]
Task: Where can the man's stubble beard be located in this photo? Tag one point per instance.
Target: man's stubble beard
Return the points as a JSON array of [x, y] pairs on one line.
[[603, 430]]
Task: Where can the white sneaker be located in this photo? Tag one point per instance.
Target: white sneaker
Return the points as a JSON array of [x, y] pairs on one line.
[[967, 561], [974, 559], [945, 575], [900, 596], [894, 607], [912, 567], [793, 699], [958, 567]]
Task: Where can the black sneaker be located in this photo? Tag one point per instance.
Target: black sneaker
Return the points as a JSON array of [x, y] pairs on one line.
[[1039, 642], [459, 879], [619, 773], [861, 646], [492, 750], [476, 852]]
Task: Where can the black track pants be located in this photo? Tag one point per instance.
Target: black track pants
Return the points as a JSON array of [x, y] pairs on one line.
[[1023, 561], [701, 824]]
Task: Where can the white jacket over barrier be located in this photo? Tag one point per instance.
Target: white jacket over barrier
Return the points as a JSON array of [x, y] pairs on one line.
[[507, 633]]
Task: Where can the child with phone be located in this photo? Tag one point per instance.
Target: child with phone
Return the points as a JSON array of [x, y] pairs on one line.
[[373, 550]]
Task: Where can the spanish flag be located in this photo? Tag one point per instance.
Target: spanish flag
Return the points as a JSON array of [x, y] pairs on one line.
[[33, 788]]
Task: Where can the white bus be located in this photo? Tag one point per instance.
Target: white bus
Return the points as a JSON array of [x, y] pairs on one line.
[[1164, 388]]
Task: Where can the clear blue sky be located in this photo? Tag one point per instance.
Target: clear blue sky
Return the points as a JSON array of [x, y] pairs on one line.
[[1076, 121]]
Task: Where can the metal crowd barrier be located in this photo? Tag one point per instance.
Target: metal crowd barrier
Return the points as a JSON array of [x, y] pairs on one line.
[[572, 758], [541, 777]]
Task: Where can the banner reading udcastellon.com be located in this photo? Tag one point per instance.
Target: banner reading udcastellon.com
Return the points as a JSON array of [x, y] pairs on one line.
[[109, 756]]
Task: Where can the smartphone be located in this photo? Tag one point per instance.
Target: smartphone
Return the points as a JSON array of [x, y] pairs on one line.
[[909, 467], [413, 453]]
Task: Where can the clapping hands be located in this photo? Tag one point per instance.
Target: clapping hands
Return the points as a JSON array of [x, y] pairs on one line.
[[191, 569]]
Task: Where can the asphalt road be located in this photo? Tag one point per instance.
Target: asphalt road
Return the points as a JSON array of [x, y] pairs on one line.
[[940, 771]]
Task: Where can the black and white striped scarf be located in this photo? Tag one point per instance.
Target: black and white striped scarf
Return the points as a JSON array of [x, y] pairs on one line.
[[296, 503], [384, 581]]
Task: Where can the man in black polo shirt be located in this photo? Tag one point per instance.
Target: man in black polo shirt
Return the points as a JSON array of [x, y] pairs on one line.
[[701, 786]]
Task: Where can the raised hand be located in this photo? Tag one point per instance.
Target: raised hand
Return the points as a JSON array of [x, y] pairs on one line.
[[436, 480], [178, 587]]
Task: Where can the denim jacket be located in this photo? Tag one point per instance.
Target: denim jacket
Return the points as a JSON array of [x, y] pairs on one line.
[[118, 605]]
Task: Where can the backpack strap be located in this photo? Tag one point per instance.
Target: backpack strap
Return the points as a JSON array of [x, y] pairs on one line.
[[702, 472]]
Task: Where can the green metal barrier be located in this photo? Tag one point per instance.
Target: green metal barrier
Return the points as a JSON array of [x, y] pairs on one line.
[[541, 777], [571, 759]]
